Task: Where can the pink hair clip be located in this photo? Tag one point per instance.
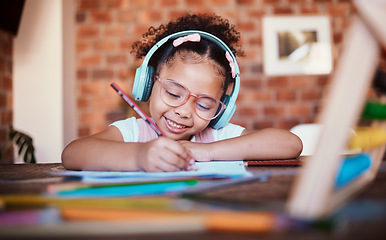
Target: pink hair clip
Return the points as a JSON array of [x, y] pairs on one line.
[[189, 38], [231, 64]]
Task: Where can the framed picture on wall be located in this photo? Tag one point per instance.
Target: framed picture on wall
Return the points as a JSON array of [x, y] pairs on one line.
[[297, 45]]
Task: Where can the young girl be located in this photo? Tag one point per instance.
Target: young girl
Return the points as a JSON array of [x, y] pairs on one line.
[[187, 77]]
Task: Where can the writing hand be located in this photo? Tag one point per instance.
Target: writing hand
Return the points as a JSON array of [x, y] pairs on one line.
[[164, 155]]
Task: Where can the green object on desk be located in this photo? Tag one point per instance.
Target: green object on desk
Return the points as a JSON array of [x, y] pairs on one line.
[[140, 189], [374, 110]]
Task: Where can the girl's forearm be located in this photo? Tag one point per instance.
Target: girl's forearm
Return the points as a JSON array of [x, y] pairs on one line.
[[263, 144], [100, 154]]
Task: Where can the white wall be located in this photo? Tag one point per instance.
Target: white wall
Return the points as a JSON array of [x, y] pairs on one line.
[[39, 106]]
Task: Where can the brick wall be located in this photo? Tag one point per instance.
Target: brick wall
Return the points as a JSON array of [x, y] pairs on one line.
[[106, 29], [6, 112]]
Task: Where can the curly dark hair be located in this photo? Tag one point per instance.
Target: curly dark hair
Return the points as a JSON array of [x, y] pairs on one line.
[[213, 24], [204, 49]]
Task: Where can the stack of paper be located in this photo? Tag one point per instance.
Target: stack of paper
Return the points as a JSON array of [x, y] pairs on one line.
[[119, 184], [214, 169]]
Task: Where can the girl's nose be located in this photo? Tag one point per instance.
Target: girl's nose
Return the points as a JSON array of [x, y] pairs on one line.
[[187, 109]]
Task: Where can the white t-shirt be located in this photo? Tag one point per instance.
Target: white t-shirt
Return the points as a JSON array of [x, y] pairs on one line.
[[130, 130]]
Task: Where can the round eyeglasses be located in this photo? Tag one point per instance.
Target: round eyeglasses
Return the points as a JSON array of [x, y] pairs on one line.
[[174, 95]]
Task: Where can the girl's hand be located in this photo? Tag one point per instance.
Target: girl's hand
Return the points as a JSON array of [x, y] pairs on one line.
[[164, 155], [199, 151]]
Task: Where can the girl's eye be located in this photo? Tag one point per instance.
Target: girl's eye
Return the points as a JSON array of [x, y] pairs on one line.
[[173, 95], [202, 107], [205, 104]]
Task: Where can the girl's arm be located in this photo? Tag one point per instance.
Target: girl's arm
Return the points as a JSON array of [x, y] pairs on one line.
[[267, 143], [107, 151]]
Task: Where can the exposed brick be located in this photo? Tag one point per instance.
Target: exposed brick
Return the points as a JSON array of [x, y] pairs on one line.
[[125, 73], [246, 26], [283, 10], [311, 94], [81, 17], [6, 117], [82, 103], [301, 82], [89, 4], [104, 44], [322, 1], [286, 95], [287, 124], [245, 2], [194, 3], [322, 81], [102, 74], [256, 96], [84, 131], [151, 16], [82, 46], [255, 41], [90, 60], [116, 59], [116, 4], [298, 1], [271, 1], [256, 13], [169, 3], [260, 124], [101, 17], [274, 111], [176, 13], [103, 103], [6, 96], [82, 74], [125, 44], [91, 117], [218, 3], [311, 9], [278, 82], [248, 111], [141, 4], [3, 100], [115, 31], [6, 84], [87, 31], [126, 17], [92, 88], [300, 110], [338, 10]]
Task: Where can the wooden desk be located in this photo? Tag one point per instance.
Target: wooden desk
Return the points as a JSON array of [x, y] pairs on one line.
[[269, 195]]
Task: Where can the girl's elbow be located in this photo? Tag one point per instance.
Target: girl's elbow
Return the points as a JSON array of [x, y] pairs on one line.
[[67, 159], [297, 146]]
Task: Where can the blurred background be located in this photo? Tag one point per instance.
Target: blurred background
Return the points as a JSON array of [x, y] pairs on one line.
[[59, 57]]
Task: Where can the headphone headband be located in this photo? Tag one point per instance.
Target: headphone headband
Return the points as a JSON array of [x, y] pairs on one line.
[[143, 81]]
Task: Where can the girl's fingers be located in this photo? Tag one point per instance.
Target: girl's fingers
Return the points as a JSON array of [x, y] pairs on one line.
[[168, 155]]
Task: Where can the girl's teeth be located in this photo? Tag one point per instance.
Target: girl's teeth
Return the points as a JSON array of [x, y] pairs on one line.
[[174, 124]]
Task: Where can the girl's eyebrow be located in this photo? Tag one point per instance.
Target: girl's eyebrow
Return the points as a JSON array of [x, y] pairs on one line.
[[201, 94]]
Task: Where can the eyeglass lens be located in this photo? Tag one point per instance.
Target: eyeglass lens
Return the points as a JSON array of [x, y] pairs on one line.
[[175, 95]]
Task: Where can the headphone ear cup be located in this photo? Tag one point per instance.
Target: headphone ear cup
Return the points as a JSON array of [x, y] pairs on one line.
[[225, 116], [143, 83]]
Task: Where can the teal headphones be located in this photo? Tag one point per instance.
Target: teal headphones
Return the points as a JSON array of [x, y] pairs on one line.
[[143, 81]]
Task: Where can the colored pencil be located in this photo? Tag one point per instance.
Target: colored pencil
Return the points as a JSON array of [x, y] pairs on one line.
[[212, 220], [66, 186], [138, 110], [275, 163]]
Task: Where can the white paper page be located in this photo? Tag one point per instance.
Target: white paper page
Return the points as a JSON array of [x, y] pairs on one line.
[[232, 169]]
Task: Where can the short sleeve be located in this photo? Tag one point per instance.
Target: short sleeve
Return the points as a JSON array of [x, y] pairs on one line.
[[128, 128], [229, 131]]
